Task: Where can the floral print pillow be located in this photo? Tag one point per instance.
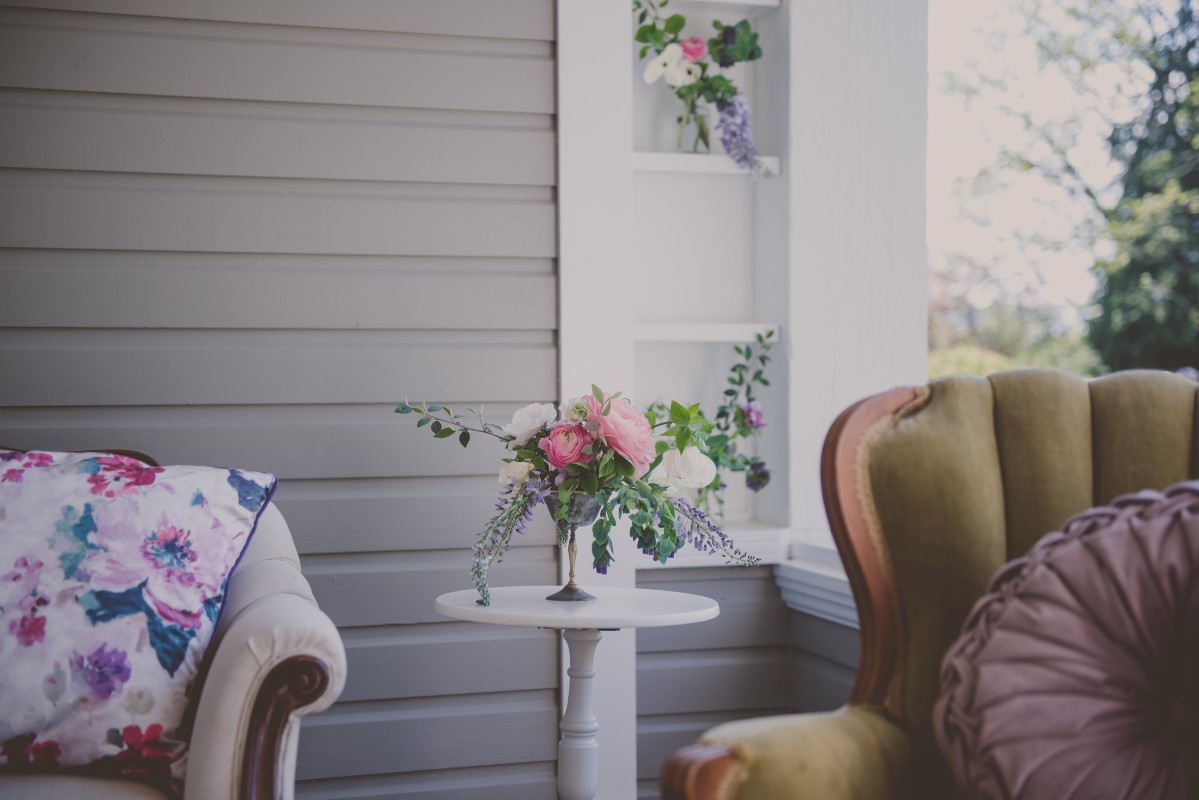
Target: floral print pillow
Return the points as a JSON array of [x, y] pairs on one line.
[[112, 577]]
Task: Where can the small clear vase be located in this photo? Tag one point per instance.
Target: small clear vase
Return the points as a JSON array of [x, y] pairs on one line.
[[695, 130], [583, 510]]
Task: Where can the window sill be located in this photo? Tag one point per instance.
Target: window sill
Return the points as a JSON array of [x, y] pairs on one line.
[[813, 582]]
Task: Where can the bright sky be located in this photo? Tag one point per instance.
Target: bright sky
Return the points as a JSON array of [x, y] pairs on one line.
[[965, 137]]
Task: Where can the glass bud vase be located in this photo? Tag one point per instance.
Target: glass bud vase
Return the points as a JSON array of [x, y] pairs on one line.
[[695, 131], [583, 511]]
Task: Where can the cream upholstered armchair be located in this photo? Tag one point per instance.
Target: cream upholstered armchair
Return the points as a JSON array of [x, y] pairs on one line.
[[928, 491], [274, 657]]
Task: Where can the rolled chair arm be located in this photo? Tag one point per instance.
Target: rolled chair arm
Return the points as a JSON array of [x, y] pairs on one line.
[[277, 657], [854, 753]]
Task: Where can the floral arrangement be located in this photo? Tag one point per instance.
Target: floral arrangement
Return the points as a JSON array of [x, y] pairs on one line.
[[739, 416], [689, 67], [602, 447]]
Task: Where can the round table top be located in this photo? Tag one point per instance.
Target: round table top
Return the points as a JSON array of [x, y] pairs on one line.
[[612, 608]]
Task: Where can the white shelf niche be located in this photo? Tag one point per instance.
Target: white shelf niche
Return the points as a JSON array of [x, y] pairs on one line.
[[741, 6], [698, 163], [735, 332]]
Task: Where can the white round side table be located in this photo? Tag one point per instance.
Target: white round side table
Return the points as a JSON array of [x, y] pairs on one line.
[[581, 624]]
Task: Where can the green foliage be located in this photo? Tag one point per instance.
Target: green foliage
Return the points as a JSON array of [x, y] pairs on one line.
[[731, 45], [1147, 299], [718, 437], [734, 43], [1135, 68]]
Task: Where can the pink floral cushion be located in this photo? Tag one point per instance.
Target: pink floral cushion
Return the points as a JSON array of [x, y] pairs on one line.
[[1077, 675], [112, 577]]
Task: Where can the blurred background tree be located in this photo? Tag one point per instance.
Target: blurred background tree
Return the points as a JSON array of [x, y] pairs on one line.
[[1093, 122]]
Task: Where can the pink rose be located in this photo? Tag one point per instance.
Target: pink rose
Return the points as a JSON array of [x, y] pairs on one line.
[[564, 445], [694, 48], [625, 430]]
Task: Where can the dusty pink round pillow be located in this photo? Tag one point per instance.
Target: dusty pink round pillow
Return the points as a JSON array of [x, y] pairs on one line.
[[1077, 674]]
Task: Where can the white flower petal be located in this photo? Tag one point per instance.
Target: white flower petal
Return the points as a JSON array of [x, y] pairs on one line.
[[529, 420]]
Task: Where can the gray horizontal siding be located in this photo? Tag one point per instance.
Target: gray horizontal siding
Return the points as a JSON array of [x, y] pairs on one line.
[[116, 211], [236, 234], [294, 441], [824, 663], [371, 515], [509, 782], [96, 367], [443, 658], [429, 733], [188, 58], [692, 677], [273, 291], [386, 588], [82, 131], [513, 19]]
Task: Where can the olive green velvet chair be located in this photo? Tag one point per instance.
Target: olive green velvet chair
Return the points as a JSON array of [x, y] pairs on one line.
[[929, 491]]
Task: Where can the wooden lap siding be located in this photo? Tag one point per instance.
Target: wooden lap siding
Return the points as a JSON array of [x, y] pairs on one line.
[[235, 234], [692, 677]]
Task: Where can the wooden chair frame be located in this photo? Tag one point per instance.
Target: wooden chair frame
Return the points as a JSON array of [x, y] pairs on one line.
[[705, 771]]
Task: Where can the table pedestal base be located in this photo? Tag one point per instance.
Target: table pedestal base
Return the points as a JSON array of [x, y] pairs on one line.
[[578, 751]]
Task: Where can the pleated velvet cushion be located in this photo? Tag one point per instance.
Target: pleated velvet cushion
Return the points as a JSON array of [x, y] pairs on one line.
[[1077, 674]]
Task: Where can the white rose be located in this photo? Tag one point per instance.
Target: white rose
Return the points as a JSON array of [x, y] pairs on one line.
[[668, 59], [689, 469], [515, 472], [675, 76], [529, 420]]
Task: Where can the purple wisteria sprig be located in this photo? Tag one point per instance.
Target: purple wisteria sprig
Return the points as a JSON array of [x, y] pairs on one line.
[[515, 508], [706, 536], [736, 136]]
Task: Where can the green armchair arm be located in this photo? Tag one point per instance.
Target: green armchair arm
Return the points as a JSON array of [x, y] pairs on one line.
[[854, 753]]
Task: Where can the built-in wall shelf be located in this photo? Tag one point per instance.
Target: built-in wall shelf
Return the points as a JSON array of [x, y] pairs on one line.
[[735, 332], [704, 164], [744, 6]]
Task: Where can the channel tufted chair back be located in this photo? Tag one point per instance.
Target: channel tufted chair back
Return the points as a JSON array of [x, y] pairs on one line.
[[929, 491], [966, 474]]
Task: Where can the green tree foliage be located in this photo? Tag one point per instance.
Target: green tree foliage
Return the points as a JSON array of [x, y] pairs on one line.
[[1147, 299], [1133, 65]]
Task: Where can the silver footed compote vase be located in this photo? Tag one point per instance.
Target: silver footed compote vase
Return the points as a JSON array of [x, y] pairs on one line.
[[583, 510]]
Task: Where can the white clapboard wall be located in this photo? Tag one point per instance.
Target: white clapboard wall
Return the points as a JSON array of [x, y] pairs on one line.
[[692, 677], [236, 234]]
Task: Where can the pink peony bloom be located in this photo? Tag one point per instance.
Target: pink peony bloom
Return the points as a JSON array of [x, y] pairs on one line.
[[694, 48], [625, 430], [565, 444]]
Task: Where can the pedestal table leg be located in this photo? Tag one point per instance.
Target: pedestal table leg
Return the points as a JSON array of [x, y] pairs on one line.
[[578, 752]]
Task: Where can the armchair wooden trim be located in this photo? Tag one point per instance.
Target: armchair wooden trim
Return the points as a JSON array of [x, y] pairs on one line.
[[293, 684], [704, 771], [710, 771], [849, 504]]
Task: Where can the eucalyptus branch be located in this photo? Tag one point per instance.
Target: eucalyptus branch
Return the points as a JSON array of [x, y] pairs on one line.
[[443, 427]]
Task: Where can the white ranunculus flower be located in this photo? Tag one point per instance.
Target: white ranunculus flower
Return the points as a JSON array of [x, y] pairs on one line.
[[690, 469], [529, 420], [574, 410], [668, 59], [515, 472], [693, 72]]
